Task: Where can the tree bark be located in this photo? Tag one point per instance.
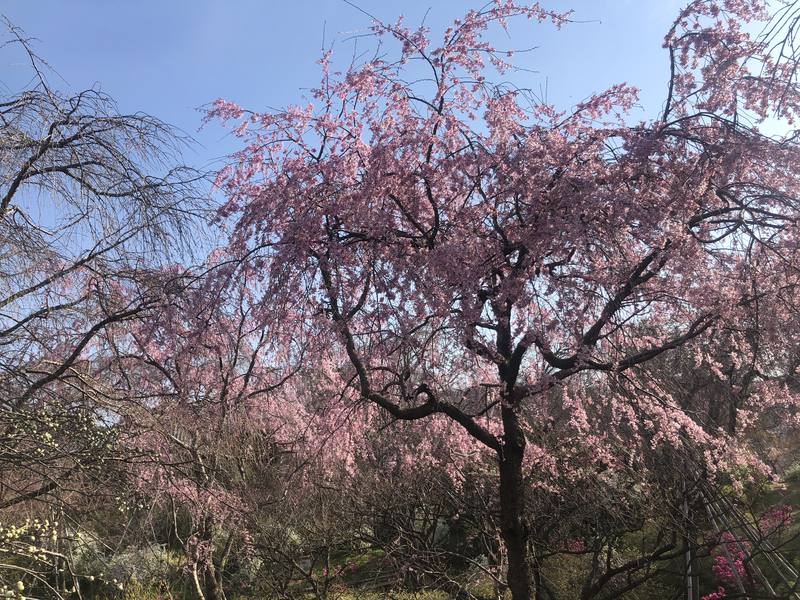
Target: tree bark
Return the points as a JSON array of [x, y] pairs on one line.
[[512, 507], [198, 588], [213, 584]]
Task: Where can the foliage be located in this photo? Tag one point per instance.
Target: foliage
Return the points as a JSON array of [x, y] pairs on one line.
[[459, 343], [467, 255]]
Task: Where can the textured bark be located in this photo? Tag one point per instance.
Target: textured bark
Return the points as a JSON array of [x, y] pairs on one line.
[[512, 507]]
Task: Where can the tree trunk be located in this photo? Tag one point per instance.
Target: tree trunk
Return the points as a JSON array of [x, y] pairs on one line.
[[538, 580], [212, 574], [512, 507], [214, 589], [196, 580]]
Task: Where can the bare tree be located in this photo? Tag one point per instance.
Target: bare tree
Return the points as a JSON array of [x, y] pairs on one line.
[[94, 204]]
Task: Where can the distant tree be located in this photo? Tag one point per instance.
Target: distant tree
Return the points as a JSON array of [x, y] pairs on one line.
[[446, 233], [207, 431]]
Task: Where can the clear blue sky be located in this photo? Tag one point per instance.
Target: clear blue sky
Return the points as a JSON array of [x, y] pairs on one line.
[[169, 57]]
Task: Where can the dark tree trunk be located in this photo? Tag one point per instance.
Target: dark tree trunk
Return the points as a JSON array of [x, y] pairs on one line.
[[538, 580], [213, 571], [512, 507], [213, 584]]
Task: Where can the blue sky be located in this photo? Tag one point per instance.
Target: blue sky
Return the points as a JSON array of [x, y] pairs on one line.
[[169, 57]]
